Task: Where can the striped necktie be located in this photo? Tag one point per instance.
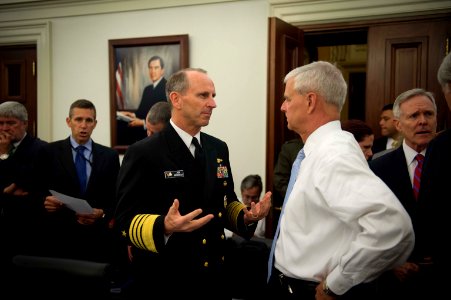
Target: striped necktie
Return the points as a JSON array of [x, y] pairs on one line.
[[417, 175]]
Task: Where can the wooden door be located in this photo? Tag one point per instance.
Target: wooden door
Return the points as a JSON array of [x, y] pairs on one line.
[[402, 56], [18, 79], [285, 53]]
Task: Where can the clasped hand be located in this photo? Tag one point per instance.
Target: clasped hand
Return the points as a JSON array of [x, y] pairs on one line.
[[5, 142]]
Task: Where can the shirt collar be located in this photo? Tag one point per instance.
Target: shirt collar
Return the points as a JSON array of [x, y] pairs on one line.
[[155, 83], [319, 134], [410, 153], [74, 144], [16, 144], [185, 136]]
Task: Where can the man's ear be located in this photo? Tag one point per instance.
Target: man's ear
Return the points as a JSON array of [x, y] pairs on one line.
[[397, 124], [175, 98], [311, 99]]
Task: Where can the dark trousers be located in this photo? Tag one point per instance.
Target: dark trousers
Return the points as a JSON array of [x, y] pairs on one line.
[[422, 285], [286, 288]]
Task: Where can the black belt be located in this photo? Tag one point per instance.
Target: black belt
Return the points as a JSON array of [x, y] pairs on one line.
[[294, 284]]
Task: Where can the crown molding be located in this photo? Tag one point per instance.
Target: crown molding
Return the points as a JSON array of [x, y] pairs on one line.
[[23, 10], [306, 12]]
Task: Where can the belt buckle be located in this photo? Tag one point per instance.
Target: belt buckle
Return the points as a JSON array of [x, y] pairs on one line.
[[281, 279]]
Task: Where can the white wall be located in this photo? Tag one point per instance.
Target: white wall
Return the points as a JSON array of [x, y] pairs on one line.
[[228, 40]]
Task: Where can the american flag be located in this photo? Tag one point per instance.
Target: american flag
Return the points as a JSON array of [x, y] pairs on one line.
[[119, 92]]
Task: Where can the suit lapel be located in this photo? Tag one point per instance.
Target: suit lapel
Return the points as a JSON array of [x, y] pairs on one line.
[[401, 174], [67, 160]]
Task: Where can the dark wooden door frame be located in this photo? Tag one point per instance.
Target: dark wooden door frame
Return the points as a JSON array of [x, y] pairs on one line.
[[285, 49], [285, 53], [23, 57]]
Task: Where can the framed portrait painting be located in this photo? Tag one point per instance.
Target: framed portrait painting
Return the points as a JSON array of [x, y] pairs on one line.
[[139, 68]]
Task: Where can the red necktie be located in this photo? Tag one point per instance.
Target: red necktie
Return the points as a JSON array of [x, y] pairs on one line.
[[417, 175]]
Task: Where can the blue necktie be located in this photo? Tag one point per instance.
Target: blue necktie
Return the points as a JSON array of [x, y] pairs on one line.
[[80, 165], [293, 176]]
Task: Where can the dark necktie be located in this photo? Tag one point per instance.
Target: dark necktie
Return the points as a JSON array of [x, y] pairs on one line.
[[80, 165], [12, 150], [417, 175], [198, 153], [293, 176]]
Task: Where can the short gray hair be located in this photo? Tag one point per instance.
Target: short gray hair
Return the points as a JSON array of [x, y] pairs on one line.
[[322, 78], [444, 71], [13, 109], [178, 82], [410, 94]]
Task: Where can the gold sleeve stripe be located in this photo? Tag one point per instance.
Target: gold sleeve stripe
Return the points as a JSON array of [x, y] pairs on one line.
[[233, 210], [141, 232], [133, 232]]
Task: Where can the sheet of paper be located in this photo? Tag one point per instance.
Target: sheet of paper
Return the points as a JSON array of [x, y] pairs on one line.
[[78, 205], [120, 116]]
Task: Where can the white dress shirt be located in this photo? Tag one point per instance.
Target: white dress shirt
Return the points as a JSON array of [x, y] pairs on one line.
[[341, 222]]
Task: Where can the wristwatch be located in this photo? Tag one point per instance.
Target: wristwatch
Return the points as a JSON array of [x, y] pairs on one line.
[[327, 291], [4, 156]]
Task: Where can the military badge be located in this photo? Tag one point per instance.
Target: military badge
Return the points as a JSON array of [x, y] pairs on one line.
[[222, 172], [174, 174]]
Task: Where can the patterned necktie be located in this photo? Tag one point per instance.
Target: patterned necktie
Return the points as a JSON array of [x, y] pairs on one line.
[[417, 175], [80, 165], [394, 144], [293, 176]]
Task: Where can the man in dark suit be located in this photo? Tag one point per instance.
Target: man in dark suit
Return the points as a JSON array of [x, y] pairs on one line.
[[153, 93], [391, 138], [70, 234], [18, 210], [434, 212], [174, 201], [415, 115]]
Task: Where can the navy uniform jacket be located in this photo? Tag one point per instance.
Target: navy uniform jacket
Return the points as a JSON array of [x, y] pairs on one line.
[[154, 172], [56, 171]]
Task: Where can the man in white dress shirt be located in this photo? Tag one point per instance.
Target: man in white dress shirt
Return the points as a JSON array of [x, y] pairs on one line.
[[341, 226]]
